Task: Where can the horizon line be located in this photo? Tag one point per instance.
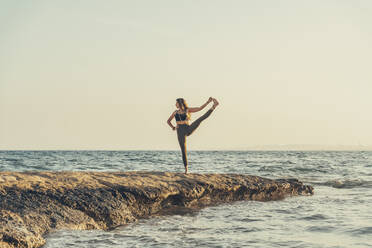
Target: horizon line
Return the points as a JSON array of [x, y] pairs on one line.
[[250, 149]]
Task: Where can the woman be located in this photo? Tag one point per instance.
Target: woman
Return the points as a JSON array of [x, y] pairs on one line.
[[182, 115]]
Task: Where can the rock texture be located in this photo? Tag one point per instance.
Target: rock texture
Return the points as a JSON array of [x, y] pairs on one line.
[[35, 203]]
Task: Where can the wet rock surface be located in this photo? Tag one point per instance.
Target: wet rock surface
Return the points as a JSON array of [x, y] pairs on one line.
[[35, 203]]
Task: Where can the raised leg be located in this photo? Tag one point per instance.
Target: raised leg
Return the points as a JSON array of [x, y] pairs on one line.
[[197, 122]]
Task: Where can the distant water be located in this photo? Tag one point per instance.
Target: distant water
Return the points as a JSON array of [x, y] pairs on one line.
[[338, 215]]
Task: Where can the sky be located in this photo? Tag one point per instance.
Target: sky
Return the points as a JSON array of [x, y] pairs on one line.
[[85, 74]]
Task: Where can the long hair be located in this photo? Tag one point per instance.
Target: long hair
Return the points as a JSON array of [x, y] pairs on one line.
[[182, 103]]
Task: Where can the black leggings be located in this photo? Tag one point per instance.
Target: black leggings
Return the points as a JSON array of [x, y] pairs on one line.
[[184, 130]]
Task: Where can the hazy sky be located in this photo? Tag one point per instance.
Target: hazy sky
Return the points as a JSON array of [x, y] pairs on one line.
[[105, 74]]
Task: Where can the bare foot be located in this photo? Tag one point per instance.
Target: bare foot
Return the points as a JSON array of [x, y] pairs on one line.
[[215, 103]]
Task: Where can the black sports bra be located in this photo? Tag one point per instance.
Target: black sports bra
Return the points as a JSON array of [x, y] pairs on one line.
[[180, 117]]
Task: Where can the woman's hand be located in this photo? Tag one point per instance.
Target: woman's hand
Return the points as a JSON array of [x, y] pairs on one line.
[[174, 128], [196, 109]]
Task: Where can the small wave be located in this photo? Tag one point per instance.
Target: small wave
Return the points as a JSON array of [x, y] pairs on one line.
[[347, 184], [250, 220], [246, 229], [315, 217], [363, 231], [11, 159], [320, 228]]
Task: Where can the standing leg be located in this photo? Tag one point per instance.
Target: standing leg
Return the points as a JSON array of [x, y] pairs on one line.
[[197, 122], [181, 134]]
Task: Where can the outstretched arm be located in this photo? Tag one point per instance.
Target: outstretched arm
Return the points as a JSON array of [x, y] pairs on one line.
[[196, 109], [170, 119]]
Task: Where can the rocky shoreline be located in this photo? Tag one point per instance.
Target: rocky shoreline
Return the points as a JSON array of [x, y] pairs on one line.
[[33, 204]]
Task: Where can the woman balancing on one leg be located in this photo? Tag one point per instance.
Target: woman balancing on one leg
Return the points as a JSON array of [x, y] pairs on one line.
[[182, 115]]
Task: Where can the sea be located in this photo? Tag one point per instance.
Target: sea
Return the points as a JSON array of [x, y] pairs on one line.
[[339, 214]]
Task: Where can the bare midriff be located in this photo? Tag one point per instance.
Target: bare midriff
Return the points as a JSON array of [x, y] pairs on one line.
[[182, 122]]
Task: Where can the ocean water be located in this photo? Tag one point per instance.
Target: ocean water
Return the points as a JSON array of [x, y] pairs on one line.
[[339, 214]]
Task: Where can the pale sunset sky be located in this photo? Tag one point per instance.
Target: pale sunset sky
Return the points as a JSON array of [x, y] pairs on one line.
[[85, 74]]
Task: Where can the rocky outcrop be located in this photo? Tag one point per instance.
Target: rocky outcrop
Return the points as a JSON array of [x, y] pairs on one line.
[[35, 203]]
